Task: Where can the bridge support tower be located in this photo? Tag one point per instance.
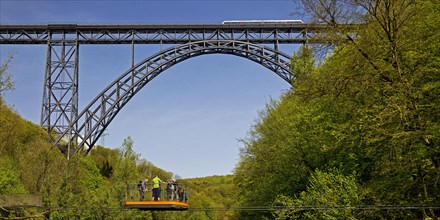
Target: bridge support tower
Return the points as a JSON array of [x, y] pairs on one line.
[[60, 92]]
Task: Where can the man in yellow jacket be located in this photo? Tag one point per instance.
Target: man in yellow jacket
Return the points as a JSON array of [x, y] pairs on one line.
[[156, 188]]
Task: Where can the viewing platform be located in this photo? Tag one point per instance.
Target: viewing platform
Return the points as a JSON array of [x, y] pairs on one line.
[[157, 205]]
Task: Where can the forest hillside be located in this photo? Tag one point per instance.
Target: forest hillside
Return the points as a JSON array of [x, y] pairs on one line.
[[34, 173]]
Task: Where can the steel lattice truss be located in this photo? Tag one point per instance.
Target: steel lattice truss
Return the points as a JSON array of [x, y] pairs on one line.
[[59, 113], [153, 34], [60, 94]]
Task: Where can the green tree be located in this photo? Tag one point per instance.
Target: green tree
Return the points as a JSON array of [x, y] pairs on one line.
[[125, 172], [325, 190], [302, 63], [6, 82], [106, 160], [281, 152], [10, 182], [283, 147], [15, 132]]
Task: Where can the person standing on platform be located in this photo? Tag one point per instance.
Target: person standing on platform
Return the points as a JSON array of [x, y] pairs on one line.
[[170, 189], [175, 195], [156, 188], [142, 185]]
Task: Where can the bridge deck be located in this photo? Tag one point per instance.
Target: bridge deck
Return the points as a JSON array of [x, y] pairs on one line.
[[153, 33], [124, 27]]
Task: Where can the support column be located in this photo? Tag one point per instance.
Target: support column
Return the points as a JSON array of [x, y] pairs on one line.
[[60, 93]]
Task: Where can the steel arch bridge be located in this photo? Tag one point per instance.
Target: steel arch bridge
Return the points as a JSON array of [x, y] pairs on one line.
[[101, 111], [82, 130]]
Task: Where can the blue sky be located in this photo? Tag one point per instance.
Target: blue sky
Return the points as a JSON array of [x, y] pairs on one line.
[[189, 119]]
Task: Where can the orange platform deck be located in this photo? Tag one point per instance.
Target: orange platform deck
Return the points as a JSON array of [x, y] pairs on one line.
[[157, 205]]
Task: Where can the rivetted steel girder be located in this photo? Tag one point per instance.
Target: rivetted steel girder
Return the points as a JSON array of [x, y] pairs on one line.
[[93, 120], [154, 34]]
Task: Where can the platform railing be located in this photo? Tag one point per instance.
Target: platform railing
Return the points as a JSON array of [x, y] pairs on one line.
[[166, 194]]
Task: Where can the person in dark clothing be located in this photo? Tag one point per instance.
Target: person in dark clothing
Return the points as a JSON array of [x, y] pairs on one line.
[[170, 189], [175, 195], [142, 186]]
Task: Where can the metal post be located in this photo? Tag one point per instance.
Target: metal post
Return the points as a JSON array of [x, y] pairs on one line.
[[276, 44], [46, 101], [132, 57], [132, 49], [75, 96]]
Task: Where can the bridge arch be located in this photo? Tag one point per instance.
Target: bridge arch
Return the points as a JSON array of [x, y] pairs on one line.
[[86, 129]]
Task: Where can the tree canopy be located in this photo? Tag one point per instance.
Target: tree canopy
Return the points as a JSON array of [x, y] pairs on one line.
[[370, 110]]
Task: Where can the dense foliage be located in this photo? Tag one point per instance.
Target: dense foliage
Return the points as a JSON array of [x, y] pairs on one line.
[[216, 193], [92, 187], [361, 126]]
